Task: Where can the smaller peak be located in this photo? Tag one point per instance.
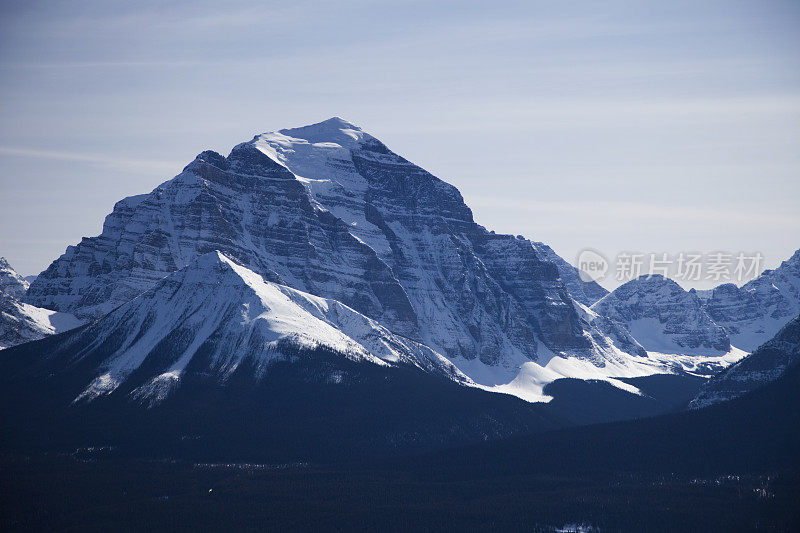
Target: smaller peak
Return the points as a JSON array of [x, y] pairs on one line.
[[210, 157], [648, 282], [726, 290], [4, 263]]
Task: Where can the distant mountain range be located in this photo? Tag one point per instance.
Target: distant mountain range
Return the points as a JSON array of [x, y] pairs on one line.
[[664, 317], [21, 322]]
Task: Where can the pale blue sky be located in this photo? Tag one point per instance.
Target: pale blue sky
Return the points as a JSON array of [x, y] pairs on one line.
[[651, 126]]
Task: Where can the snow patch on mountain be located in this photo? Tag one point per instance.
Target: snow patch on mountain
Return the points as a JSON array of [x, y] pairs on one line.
[[21, 322]]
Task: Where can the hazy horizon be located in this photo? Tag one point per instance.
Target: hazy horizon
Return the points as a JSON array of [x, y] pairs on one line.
[[652, 128]]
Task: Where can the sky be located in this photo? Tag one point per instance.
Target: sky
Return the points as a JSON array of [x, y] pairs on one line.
[[657, 127]]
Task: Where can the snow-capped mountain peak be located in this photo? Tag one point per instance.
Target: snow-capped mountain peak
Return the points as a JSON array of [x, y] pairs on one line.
[[338, 215], [11, 283], [334, 130]]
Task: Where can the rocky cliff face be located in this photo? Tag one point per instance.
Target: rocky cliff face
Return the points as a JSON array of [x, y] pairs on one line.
[[664, 317], [585, 292], [753, 313], [329, 210], [769, 362]]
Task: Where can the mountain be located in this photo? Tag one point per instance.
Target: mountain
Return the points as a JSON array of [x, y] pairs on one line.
[[768, 363], [329, 210], [11, 283], [753, 313], [663, 317], [21, 322]]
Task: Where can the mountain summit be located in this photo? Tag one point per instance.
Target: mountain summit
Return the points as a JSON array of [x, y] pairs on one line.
[[334, 130], [11, 283]]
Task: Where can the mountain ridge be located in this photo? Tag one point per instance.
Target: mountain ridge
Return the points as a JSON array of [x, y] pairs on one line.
[[213, 317]]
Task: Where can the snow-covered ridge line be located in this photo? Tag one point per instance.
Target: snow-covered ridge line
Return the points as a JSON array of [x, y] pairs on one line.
[[227, 315]]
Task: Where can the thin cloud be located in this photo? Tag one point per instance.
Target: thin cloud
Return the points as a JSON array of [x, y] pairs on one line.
[[639, 211], [115, 163]]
